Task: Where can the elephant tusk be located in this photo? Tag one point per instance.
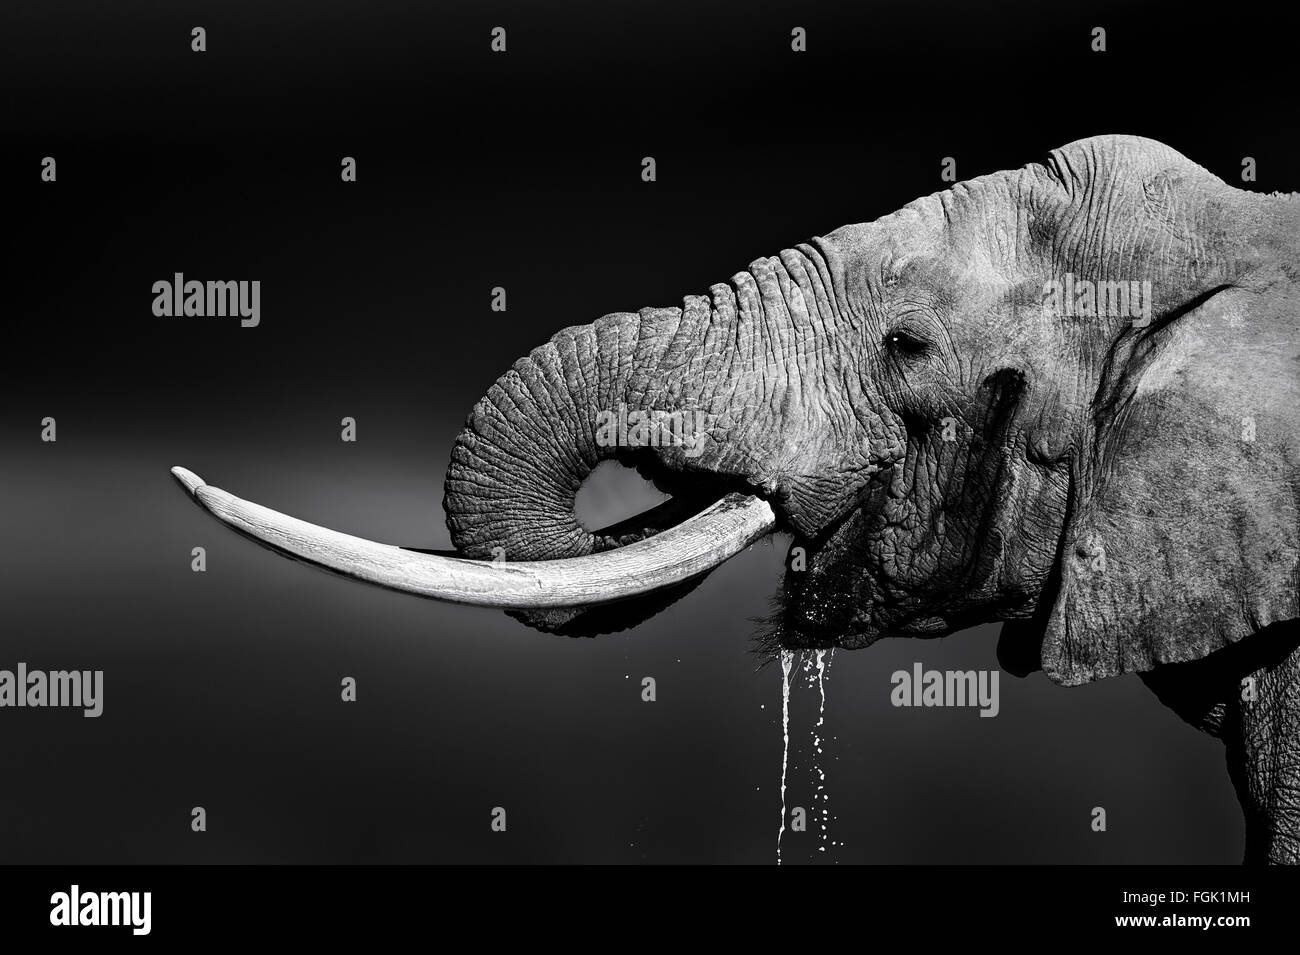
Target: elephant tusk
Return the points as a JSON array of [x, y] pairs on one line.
[[689, 549]]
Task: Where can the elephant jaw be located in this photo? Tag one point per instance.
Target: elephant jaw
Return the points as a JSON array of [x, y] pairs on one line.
[[675, 555]]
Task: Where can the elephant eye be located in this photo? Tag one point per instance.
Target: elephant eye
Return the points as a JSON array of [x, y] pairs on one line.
[[902, 342]]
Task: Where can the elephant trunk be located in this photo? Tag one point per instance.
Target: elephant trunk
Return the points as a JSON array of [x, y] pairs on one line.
[[515, 473], [704, 399], [539, 431]]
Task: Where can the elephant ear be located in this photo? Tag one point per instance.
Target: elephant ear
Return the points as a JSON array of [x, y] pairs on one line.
[[1182, 535]]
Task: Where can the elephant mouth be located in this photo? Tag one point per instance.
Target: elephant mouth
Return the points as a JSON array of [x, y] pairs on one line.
[[661, 549], [833, 596]]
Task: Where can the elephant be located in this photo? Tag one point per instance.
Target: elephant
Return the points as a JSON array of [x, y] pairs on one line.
[[1063, 397]]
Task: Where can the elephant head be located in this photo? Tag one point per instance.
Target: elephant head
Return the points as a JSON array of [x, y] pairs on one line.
[[1064, 397]]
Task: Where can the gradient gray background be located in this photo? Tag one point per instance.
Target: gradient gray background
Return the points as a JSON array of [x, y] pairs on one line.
[[222, 689]]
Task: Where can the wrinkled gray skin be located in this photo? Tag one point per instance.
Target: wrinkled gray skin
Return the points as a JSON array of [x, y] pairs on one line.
[[1103, 494]]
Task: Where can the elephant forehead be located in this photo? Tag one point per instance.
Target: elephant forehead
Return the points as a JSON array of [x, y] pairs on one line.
[[894, 239]]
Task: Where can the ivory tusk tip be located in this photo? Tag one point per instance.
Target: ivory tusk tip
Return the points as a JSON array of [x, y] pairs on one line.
[[189, 479]]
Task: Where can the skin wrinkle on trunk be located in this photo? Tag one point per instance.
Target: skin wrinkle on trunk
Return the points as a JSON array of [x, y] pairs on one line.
[[522, 508], [533, 523], [733, 356]]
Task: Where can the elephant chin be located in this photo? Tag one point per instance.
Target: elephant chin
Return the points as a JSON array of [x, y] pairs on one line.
[[663, 557]]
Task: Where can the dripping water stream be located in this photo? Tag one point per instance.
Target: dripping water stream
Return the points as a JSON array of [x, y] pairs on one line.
[[816, 667], [821, 664], [787, 663]]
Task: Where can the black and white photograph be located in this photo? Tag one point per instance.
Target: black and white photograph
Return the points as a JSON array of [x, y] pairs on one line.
[[514, 435]]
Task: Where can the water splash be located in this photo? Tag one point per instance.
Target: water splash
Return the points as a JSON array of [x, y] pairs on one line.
[[787, 664], [818, 668]]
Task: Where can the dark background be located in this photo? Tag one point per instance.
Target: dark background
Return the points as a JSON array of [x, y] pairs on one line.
[[521, 170]]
